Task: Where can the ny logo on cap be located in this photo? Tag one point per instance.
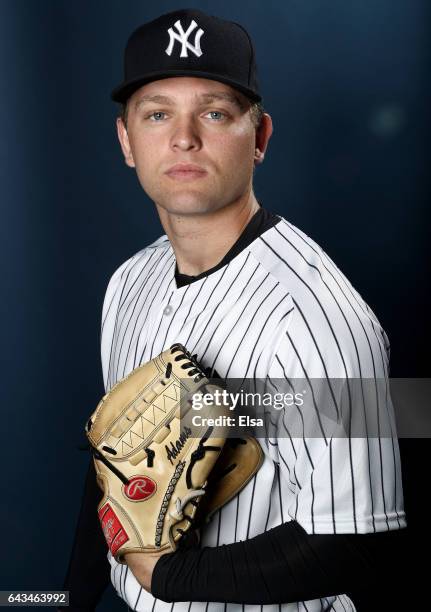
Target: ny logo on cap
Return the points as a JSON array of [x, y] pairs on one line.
[[182, 38]]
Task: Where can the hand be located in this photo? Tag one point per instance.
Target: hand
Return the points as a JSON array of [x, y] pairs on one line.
[[142, 566]]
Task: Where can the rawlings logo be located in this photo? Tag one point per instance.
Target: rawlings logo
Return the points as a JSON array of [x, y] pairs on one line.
[[175, 449], [139, 488], [108, 530]]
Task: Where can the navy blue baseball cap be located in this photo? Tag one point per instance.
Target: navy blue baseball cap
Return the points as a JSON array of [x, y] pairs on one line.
[[188, 42]]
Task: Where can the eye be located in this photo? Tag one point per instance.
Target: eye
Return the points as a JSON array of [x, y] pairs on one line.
[[157, 116], [217, 115]]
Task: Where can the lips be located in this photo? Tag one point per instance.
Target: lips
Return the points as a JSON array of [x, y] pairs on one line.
[[186, 171]]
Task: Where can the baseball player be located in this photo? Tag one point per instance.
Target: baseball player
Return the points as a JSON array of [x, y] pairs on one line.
[[256, 298]]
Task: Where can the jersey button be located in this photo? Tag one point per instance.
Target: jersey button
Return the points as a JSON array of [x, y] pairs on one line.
[[168, 310]]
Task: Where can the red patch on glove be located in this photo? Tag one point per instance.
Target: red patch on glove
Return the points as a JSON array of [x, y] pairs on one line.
[[114, 531]]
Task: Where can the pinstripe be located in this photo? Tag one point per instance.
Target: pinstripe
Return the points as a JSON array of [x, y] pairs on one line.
[[343, 599], [326, 443], [158, 328], [300, 414], [316, 408], [220, 514], [114, 335], [251, 506], [269, 512], [337, 276], [331, 474], [146, 314], [339, 600], [120, 583], [230, 333], [124, 306], [195, 301], [359, 365], [176, 311], [149, 297], [262, 330], [276, 327], [236, 501], [280, 499], [229, 289], [393, 434], [290, 482], [206, 305], [125, 578], [135, 607], [215, 330], [127, 270], [251, 322], [286, 429], [137, 361], [365, 416], [323, 363], [143, 275], [330, 452], [132, 317], [317, 302], [117, 326]]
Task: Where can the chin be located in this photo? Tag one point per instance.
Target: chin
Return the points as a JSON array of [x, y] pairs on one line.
[[190, 204]]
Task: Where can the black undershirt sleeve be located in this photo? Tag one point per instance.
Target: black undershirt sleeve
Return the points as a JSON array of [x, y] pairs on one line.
[[88, 574], [282, 565]]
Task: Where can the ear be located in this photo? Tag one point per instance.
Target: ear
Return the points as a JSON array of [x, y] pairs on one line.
[[123, 137], [263, 134]]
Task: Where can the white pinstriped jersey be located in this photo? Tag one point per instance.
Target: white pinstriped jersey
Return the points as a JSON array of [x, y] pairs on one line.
[[280, 309]]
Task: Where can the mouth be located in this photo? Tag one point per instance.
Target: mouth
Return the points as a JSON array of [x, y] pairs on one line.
[[186, 172]]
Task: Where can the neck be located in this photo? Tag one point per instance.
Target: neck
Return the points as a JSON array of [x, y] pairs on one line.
[[201, 241]]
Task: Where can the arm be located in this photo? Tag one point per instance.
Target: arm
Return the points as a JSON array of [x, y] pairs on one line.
[[282, 565], [88, 573]]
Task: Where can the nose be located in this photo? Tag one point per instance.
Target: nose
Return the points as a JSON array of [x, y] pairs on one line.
[[185, 136]]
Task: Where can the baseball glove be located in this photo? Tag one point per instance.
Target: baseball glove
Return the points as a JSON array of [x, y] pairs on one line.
[[154, 469]]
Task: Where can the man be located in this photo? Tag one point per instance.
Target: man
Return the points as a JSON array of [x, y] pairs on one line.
[[255, 298]]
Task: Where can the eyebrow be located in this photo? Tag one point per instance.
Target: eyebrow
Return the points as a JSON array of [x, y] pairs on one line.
[[222, 95], [206, 97]]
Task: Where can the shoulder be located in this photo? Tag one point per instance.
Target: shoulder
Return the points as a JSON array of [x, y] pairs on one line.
[[303, 267], [134, 266], [330, 318], [288, 253]]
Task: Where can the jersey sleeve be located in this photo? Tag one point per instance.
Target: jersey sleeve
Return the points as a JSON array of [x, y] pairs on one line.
[[111, 303], [336, 442]]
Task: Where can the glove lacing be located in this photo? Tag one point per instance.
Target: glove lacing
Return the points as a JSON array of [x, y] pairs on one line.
[[192, 365], [180, 504]]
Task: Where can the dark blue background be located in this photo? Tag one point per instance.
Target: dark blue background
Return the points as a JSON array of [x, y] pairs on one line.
[[347, 85]]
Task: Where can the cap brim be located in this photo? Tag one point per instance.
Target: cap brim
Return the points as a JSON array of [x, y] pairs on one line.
[[123, 92]]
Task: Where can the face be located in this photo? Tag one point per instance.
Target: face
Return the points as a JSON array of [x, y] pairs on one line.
[[192, 142]]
